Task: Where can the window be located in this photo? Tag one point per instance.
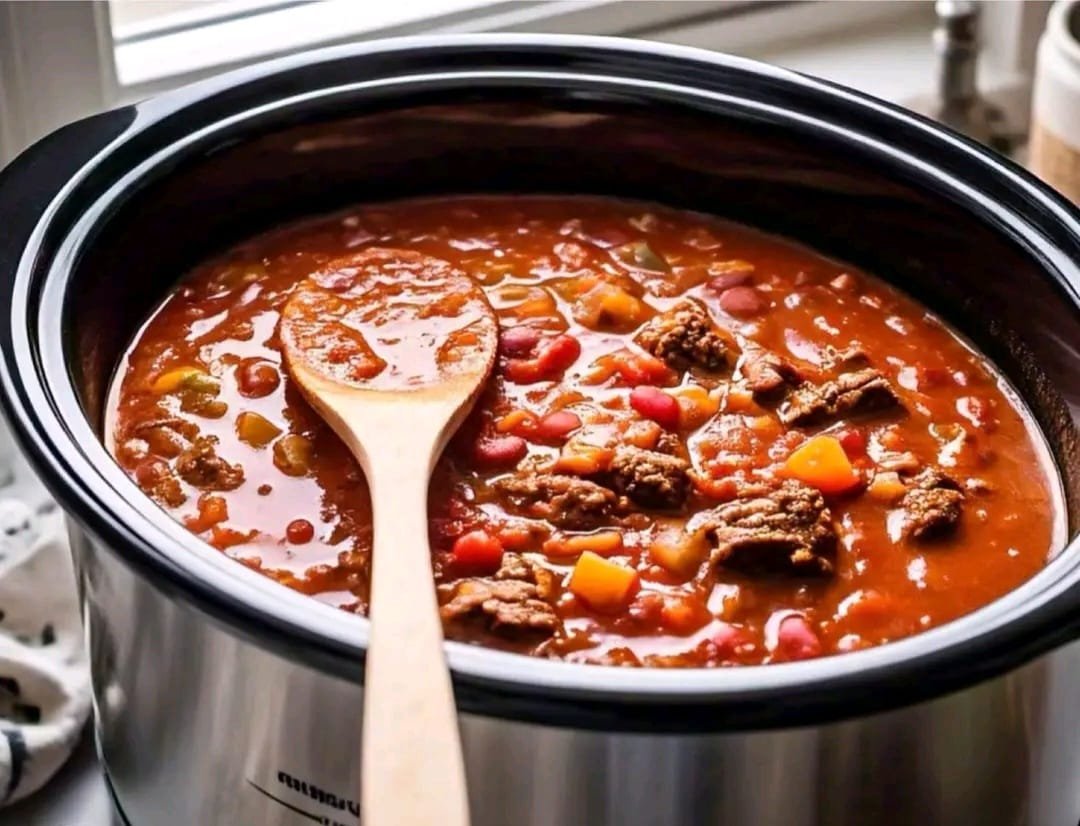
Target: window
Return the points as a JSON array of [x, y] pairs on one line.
[[62, 60]]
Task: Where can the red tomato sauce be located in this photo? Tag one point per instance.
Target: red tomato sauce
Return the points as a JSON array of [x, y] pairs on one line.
[[702, 445]]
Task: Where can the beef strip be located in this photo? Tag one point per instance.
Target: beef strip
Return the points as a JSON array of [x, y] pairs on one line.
[[767, 373], [650, 479], [685, 337], [932, 505], [565, 501], [515, 601], [862, 391], [847, 359], [199, 465], [786, 530]]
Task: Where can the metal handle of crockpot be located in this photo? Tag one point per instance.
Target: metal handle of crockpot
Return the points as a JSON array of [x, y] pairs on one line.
[[33, 179]]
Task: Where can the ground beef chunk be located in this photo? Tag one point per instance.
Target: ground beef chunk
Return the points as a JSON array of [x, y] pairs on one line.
[[932, 504], [514, 602], [862, 391], [686, 337], [786, 530], [565, 501], [650, 479], [670, 444], [767, 374], [199, 465]]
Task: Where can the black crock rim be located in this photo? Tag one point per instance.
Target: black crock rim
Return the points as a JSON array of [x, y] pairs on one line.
[[40, 401]]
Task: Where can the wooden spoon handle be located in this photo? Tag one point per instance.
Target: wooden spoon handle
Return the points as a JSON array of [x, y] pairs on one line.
[[412, 769]]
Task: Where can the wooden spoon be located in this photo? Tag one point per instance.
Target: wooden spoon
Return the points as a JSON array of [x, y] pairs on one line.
[[392, 347]]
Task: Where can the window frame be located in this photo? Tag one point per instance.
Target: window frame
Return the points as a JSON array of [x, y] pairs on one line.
[[59, 61]]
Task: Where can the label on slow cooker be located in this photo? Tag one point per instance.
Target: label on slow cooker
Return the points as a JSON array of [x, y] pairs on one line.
[[308, 799]]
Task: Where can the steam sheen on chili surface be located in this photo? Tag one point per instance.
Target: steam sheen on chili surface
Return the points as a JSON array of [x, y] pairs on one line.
[[702, 445]]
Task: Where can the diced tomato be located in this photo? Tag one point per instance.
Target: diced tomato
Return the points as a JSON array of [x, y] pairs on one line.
[[656, 405], [222, 538], [683, 615], [642, 368], [556, 426], [518, 342], [796, 640], [853, 441], [516, 537], [213, 510], [519, 422], [299, 532], [722, 490], [500, 451], [478, 550]]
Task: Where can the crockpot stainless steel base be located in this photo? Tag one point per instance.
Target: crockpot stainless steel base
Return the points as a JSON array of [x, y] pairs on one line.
[[196, 725], [224, 698]]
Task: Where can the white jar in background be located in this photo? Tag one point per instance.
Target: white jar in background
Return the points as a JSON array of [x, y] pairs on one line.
[[1055, 120]]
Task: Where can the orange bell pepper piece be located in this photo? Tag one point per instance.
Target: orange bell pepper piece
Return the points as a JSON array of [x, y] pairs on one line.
[[604, 585], [822, 463]]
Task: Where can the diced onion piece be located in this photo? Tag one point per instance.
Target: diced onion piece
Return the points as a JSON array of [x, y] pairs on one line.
[[738, 400], [679, 552], [256, 430], [604, 543], [886, 487], [822, 463], [603, 585]]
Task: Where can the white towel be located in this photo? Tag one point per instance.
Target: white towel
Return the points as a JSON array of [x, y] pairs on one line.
[[44, 679]]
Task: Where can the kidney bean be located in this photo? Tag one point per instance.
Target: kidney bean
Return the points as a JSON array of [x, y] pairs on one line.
[[796, 640], [742, 301], [518, 342], [720, 283], [553, 356], [656, 405], [557, 354], [500, 451]]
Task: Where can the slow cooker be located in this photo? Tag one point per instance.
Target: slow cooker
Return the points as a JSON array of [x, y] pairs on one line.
[[224, 698]]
